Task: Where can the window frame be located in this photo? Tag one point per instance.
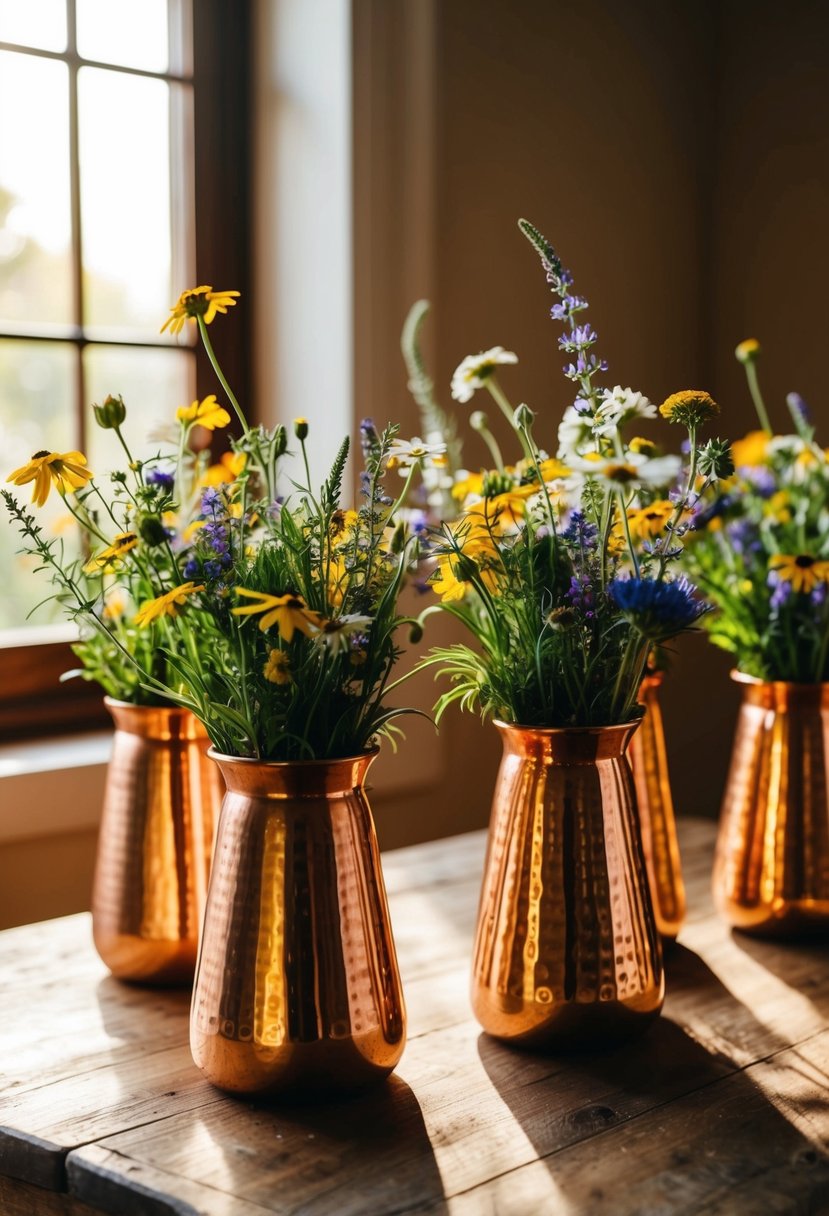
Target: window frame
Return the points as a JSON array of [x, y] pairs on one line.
[[32, 700]]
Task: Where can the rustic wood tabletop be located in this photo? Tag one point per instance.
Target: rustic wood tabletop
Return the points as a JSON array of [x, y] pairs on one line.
[[723, 1107]]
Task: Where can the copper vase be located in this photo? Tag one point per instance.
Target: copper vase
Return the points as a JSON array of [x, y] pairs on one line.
[[155, 844], [649, 761], [297, 988], [771, 871], [566, 950]]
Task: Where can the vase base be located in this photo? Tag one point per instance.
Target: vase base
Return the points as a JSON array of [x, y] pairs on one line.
[[138, 960], [804, 921], [570, 1027], [297, 1073]]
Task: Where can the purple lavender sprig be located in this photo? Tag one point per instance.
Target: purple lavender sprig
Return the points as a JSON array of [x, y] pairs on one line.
[[579, 337]]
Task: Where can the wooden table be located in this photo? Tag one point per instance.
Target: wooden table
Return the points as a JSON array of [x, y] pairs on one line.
[[721, 1108]]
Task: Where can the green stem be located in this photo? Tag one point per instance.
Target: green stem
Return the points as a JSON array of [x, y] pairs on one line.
[[626, 522], [506, 409], [757, 397], [208, 346], [492, 444]]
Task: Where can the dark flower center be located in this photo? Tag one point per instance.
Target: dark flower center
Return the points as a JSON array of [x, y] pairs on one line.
[[40, 455], [804, 561]]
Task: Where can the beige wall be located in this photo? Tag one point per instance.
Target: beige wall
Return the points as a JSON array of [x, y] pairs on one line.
[[676, 155]]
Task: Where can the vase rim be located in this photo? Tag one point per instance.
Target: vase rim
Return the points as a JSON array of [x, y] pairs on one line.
[[567, 730], [164, 707], [354, 758], [741, 677]]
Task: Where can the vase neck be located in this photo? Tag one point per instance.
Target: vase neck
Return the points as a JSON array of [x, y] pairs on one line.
[[158, 722], [567, 746], [293, 779], [782, 696]]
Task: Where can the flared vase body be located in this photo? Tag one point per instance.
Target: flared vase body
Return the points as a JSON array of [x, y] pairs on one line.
[[771, 870], [155, 844], [649, 761], [566, 950], [297, 989]]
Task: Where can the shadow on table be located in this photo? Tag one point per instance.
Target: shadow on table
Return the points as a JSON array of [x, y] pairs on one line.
[[367, 1155], [800, 965], [614, 1137]]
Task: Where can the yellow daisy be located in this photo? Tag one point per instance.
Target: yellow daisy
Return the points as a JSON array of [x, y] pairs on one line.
[[230, 465], [207, 413], [689, 408], [289, 612], [66, 469], [168, 604], [803, 571], [751, 450], [278, 667], [104, 560], [201, 302]]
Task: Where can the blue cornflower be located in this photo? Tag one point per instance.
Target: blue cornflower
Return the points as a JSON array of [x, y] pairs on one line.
[[657, 608], [192, 568], [157, 477]]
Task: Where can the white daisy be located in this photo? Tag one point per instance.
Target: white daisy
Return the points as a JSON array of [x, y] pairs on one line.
[[164, 432], [575, 435], [336, 635], [620, 405], [632, 469], [406, 452], [473, 372]]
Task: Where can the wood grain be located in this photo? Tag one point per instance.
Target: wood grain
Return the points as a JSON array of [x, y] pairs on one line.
[[111, 1106]]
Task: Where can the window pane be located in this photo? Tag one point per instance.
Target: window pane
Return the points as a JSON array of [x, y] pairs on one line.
[[37, 411], [125, 200], [128, 32], [40, 23], [153, 383], [35, 216]]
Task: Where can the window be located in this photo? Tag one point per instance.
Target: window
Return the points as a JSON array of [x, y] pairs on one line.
[[129, 126]]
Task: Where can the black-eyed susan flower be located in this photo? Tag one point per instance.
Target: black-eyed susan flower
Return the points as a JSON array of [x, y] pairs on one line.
[[277, 669], [647, 522], [66, 470], [289, 612], [691, 408], [201, 302], [169, 604], [107, 558], [802, 570], [207, 413]]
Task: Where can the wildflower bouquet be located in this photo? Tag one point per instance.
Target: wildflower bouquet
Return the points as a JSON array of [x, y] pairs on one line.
[[132, 525], [760, 547], [257, 602], [563, 568]]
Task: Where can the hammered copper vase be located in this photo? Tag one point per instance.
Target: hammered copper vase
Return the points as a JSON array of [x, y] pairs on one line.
[[297, 988], [566, 951], [649, 761], [155, 844], [771, 870]]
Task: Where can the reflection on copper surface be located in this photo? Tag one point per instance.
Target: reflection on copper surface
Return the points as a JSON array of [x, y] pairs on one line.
[[297, 987], [771, 871], [155, 844], [566, 949], [649, 761]]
